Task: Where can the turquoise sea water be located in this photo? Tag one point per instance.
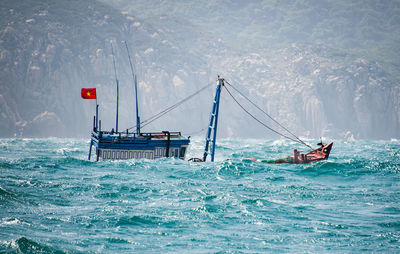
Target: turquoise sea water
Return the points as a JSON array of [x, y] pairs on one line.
[[52, 200]]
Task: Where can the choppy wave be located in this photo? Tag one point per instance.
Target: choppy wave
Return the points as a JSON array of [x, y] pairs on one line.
[[52, 200]]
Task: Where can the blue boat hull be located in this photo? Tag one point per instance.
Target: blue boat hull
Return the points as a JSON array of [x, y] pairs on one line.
[[125, 146]]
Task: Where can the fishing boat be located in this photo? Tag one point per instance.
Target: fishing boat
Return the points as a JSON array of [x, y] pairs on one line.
[[124, 145], [321, 153]]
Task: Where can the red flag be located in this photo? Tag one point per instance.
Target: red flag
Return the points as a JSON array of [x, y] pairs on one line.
[[88, 93]]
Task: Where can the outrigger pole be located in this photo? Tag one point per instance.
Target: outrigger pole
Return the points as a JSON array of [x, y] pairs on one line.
[[136, 93], [116, 80], [212, 127]]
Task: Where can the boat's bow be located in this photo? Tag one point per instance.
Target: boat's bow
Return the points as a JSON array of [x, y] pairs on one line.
[[321, 153]]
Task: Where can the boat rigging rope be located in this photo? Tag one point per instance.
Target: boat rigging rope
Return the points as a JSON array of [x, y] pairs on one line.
[[297, 139], [167, 110]]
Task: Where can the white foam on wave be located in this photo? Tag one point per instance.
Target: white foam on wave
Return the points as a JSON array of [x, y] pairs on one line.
[[7, 221], [65, 150], [278, 142]]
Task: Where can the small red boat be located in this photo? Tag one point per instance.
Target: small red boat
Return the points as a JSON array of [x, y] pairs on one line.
[[321, 153]]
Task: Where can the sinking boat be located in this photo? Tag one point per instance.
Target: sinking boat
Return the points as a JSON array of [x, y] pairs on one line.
[[124, 145], [321, 153]]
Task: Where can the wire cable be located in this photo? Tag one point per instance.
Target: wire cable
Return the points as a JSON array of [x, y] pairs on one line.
[[167, 110], [297, 140], [283, 127]]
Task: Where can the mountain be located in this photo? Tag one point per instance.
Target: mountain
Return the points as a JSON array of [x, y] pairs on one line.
[[317, 92], [49, 50], [246, 25], [322, 68]]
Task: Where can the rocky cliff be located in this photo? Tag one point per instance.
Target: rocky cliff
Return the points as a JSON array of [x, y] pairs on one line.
[[49, 50], [316, 92]]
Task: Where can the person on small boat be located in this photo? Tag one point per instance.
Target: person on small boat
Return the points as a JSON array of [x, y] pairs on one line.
[[277, 161]]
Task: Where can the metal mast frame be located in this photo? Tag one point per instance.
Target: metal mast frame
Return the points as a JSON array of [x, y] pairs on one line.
[[212, 127]]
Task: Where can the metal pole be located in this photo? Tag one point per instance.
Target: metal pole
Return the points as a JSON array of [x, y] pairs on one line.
[[116, 121], [90, 148], [212, 127], [116, 80], [97, 116], [137, 110], [136, 93], [216, 122]]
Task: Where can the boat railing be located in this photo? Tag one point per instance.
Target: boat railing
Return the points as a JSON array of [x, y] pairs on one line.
[[126, 135]]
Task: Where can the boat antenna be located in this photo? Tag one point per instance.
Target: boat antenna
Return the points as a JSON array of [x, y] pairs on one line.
[[136, 92], [117, 82]]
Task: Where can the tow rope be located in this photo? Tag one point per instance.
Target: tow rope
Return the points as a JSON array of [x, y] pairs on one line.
[[295, 139]]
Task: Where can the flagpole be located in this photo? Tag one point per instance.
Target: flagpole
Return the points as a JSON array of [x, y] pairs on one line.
[[97, 114]]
